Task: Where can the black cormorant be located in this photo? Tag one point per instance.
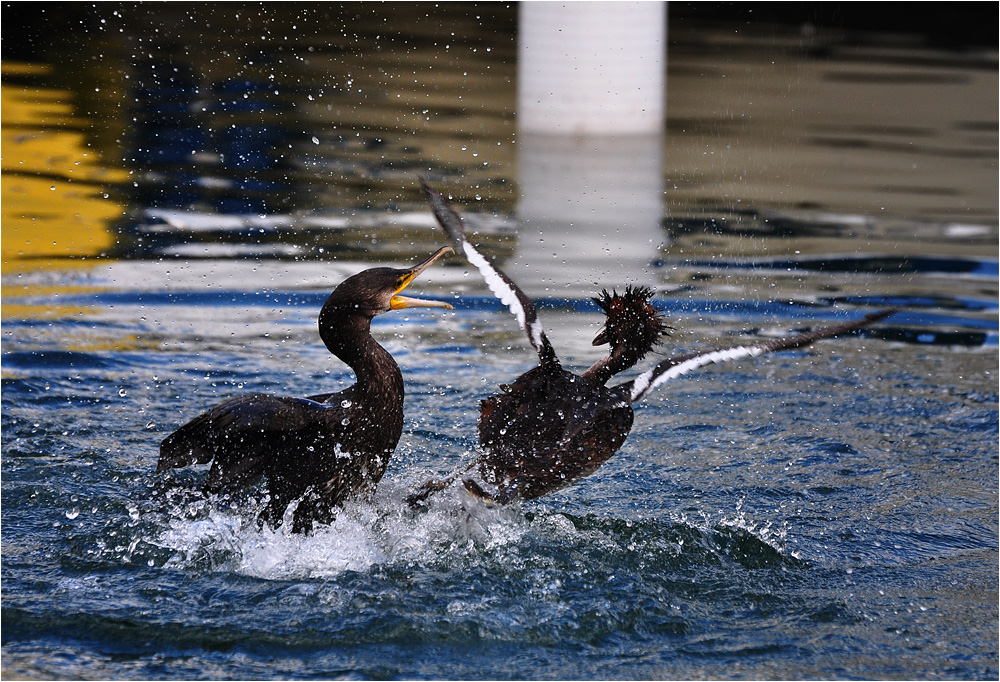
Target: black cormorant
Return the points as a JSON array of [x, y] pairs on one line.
[[320, 449]]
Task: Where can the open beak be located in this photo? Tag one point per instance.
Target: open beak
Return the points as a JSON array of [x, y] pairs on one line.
[[398, 301]]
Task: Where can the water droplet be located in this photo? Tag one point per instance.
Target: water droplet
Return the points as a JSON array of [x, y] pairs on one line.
[[345, 403], [122, 392], [73, 513]]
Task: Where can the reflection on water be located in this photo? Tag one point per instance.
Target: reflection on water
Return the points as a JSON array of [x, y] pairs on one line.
[[334, 124], [589, 211], [55, 202], [330, 114], [306, 151]]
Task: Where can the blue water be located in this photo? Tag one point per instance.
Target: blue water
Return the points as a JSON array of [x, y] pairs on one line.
[[830, 512]]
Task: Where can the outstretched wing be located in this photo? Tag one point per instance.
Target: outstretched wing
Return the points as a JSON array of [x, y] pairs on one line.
[[679, 366], [498, 282], [238, 436]]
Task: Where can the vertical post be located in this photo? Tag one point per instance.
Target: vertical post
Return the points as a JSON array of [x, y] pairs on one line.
[[591, 119], [591, 68]]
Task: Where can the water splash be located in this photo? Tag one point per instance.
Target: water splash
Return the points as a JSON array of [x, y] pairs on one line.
[[364, 535]]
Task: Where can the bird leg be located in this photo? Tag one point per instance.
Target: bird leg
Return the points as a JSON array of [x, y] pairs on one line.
[[433, 486], [505, 495]]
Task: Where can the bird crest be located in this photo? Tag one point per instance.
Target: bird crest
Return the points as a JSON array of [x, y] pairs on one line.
[[633, 325]]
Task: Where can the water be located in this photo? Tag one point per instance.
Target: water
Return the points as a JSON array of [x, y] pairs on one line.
[[825, 513]]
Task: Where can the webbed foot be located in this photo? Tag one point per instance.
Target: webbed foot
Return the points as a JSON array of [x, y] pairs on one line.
[[503, 496], [432, 486], [477, 491]]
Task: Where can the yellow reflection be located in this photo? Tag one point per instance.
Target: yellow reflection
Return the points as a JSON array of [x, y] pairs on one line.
[[28, 311], [54, 211], [82, 343]]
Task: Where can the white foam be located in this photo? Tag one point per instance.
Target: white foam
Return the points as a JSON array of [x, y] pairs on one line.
[[362, 536]]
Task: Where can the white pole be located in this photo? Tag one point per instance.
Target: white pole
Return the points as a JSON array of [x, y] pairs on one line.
[[591, 68], [591, 118]]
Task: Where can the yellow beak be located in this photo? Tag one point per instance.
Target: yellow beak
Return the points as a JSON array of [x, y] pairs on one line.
[[398, 302]]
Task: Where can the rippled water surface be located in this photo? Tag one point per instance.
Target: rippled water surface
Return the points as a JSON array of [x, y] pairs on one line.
[[178, 202]]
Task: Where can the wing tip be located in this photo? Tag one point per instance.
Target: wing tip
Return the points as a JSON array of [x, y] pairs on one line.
[[674, 367]]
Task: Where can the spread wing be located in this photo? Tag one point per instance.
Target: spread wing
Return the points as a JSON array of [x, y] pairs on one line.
[[681, 365], [498, 282], [238, 435]]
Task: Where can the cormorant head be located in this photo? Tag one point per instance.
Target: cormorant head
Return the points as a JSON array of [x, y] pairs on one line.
[[378, 290], [633, 325]]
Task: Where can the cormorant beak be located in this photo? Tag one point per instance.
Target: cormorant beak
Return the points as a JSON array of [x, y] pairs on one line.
[[398, 302], [601, 338]]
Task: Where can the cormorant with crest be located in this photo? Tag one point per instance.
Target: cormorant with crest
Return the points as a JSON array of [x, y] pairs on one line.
[[551, 427]]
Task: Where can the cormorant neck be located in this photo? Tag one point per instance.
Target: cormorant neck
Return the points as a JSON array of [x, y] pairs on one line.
[[620, 359], [346, 331]]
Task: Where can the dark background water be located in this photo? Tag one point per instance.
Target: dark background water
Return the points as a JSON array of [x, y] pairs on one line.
[[184, 184]]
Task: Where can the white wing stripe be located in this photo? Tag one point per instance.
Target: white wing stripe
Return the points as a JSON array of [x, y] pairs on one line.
[[496, 283], [675, 367], [649, 380]]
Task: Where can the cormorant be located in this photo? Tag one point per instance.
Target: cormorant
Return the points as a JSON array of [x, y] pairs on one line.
[[321, 449], [551, 427]]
